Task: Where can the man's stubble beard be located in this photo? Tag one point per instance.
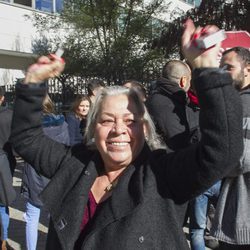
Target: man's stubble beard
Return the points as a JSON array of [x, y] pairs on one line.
[[238, 82]]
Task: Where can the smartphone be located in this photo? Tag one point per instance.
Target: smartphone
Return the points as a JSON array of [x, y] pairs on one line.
[[59, 52], [207, 41]]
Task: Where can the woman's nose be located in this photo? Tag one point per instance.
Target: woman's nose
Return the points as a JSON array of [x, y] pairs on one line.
[[119, 127]]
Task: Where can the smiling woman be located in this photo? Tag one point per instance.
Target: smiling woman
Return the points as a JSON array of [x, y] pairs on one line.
[[119, 130], [127, 192], [119, 133], [130, 114]]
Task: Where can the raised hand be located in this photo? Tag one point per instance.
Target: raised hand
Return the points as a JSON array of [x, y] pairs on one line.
[[199, 57], [46, 67]]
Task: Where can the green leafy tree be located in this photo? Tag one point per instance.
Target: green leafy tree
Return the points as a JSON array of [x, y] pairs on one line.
[[228, 15], [107, 38]]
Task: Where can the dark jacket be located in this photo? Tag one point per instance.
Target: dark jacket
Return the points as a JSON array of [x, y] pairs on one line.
[[5, 128], [7, 158], [141, 213], [75, 130], [176, 119], [33, 183]]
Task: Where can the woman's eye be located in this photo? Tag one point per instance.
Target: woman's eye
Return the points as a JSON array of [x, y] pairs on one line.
[[107, 122], [129, 121]]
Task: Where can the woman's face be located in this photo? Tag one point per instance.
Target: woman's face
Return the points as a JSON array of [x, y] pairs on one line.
[[83, 108], [119, 132]]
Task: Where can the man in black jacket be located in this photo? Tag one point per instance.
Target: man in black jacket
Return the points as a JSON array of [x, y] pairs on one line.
[[5, 148], [175, 117]]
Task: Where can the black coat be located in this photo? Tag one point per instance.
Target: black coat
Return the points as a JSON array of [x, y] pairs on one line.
[[176, 119], [141, 213], [5, 129]]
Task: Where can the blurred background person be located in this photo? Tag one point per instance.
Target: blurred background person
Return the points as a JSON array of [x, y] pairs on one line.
[[33, 183], [138, 86], [77, 118], [93, 86], [6, 151]]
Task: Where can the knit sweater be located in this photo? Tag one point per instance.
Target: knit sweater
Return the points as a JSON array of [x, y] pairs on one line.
[[232, 220]]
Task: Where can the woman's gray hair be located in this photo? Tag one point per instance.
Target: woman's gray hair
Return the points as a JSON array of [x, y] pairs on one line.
[[152, 138]]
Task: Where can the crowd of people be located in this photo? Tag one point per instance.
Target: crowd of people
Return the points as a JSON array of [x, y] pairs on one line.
[[128, 169]]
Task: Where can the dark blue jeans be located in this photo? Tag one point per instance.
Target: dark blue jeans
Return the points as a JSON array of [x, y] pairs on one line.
[[198, 216]]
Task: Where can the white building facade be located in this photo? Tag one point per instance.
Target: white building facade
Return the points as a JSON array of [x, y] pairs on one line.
[[17, 32]]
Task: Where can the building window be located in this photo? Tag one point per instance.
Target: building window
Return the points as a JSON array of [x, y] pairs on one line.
[[44, 5], [51, 6], [24, 2], [59, 5], [195, 3]]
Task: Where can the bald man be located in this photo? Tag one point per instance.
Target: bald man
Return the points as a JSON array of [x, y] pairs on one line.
[[176, 119]]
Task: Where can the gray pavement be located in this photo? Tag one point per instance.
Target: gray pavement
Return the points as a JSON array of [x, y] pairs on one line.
[[17, 223]]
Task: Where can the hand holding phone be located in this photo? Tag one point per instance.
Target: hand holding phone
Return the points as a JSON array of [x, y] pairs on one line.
[[46, 67], [57, 55], [196, 56]]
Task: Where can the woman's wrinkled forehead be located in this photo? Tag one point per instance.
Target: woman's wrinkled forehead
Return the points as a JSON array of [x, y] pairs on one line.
[[119, 105]]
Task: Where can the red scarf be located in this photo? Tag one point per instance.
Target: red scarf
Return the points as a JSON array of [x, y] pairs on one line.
[[192, 97]]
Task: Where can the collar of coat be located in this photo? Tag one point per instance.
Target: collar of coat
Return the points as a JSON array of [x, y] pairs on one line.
[[166, 87], [129, 190], [245, 90], [127, 195]]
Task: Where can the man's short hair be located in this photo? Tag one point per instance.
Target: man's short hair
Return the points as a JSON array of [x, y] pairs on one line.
[[93, 84], [137, 86], [175, 69], [2, 91], [242, 53]]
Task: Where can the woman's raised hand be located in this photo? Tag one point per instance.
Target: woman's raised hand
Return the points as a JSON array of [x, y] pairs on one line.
[[198, 57], [46, 67]]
